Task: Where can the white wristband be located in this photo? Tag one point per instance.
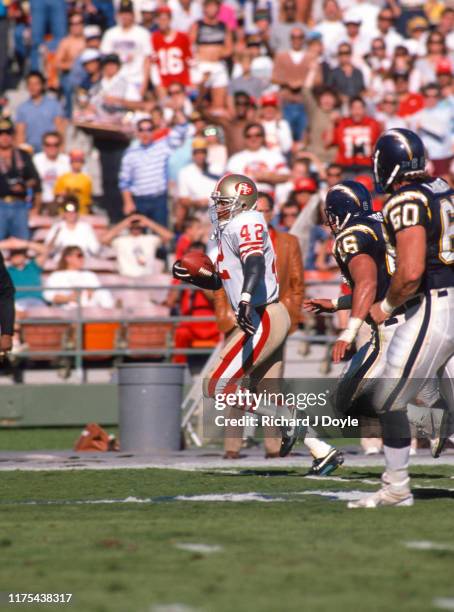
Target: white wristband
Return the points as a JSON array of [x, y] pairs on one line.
[[387, 307], [335, 303], [245, 297], [351, 331]]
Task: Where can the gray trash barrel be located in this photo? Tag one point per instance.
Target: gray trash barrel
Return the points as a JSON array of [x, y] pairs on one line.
[[150, 397]]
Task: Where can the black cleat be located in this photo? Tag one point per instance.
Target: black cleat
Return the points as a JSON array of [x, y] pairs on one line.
[[326, 465]]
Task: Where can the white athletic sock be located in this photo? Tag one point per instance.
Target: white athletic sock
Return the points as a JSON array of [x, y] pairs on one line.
[[317, 447], [396, 460]]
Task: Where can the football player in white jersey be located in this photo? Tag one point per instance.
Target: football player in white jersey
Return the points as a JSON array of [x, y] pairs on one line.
[[246, 268]]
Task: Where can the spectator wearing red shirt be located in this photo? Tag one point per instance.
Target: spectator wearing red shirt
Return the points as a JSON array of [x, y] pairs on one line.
[[355, 137], [409, 102], [192, 232], [171, 54], [194, 302]]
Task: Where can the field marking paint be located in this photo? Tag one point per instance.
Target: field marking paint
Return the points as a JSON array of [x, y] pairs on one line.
[[199, 548], [444, 603], [336, 495], [428, 545], [230, 497], [340, 479]]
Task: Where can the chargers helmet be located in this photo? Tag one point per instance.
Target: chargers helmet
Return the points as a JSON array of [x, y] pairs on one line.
[[398, 153], [345, 201], [233, 194]]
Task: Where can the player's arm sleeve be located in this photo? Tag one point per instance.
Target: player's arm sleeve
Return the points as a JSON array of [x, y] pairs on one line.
[[6, 301], [253, 270], [345, 302]]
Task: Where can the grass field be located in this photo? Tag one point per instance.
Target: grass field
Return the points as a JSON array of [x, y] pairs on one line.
[[289, 550]]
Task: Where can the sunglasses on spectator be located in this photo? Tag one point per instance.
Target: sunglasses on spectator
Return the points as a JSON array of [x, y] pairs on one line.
[[255, 135], [435, 41], [9, 132], [145, 129], [334, 174], [52, 144], [345, 52]]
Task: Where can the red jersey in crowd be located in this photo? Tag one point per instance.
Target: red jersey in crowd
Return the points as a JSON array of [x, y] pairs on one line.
[[171, 57], [197, 304], [356, 140]]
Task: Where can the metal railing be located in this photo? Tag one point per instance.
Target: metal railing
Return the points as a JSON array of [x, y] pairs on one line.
[[77, 319]]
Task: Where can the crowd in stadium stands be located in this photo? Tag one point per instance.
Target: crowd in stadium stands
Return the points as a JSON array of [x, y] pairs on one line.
[[117, 118]]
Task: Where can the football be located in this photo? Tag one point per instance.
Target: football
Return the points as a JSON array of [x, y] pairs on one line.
[[198, 264]]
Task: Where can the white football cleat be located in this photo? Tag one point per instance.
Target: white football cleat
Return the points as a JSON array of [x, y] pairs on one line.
[[388, 495]]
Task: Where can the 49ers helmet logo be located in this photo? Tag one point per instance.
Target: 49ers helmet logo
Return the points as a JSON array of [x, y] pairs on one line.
[[244, 189]]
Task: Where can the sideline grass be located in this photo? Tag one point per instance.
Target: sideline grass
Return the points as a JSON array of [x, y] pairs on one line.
[[308, 553]]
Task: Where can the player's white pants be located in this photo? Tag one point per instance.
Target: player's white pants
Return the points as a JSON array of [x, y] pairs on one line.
[[421, 351], [259, 356]]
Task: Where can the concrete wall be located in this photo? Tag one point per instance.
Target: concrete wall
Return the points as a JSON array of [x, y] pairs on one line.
[[41, 405]]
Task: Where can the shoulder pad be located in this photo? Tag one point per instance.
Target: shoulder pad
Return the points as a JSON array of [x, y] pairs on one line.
[[358, 227], [405, 195], [437, 186]]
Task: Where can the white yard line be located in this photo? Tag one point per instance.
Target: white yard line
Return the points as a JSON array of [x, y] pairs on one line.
[[443, 603], [428, 545], [199, 548]]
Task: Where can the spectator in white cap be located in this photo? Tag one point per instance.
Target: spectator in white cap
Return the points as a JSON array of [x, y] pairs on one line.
[[363, 11], [148, 14], [91, 63], [357, 37], [77, 73]]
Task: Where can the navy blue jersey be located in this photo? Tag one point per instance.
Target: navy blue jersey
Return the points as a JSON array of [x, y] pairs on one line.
[[365, 236], [430, 204]]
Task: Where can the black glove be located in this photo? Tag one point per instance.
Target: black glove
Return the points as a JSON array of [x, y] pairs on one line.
[[180, 272], [243, 316]]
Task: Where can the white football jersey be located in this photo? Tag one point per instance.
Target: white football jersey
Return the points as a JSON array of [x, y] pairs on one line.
[[245, 234]]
